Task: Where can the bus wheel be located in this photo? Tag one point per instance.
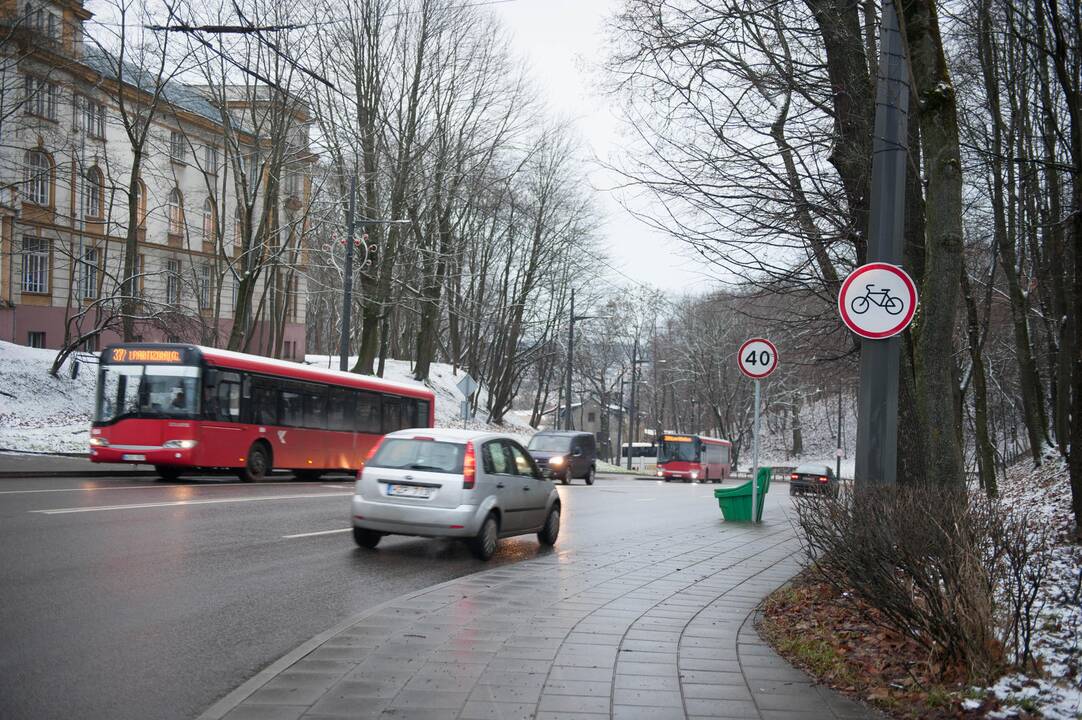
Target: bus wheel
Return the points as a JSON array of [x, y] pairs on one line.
[[168, 472], [258, 465]]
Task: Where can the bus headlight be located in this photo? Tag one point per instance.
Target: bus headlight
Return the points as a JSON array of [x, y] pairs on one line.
[[556, 460], [694, 475], [182, 444], [99, 442]]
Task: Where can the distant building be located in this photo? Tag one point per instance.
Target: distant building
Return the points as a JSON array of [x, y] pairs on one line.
[[65, 174]]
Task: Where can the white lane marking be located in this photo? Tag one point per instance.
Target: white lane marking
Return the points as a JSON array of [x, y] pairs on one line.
[[175, 503], [142, 487], [313, 534], [339, 487]]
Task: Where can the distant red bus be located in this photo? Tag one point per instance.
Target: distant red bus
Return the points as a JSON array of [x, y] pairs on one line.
[[694, 458], [179, 407]]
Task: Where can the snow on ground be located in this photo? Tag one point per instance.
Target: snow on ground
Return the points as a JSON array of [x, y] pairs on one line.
[[819, 432], [40, 413], [1045, 491]]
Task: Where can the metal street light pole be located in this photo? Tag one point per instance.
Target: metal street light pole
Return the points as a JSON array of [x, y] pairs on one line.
[[620, 424], [571, 355], [347, 280], [877, 407], [632, 409]]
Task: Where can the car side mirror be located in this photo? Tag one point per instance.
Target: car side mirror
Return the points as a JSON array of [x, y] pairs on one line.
[[577, 452]]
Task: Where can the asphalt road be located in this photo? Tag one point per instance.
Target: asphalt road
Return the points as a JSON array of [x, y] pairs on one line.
[[130, 598]]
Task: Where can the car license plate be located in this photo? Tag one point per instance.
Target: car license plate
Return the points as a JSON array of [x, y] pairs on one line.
[[409, 491], [134, 458]]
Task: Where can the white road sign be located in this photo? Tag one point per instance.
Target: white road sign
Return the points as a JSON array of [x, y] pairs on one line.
[[467, 385], [758, 358], [877, 300]]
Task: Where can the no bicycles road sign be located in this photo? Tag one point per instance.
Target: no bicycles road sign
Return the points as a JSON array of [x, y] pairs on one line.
[[758, 358], [877, 300]]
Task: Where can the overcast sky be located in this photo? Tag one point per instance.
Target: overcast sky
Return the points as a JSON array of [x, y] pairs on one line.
[[563, 41]]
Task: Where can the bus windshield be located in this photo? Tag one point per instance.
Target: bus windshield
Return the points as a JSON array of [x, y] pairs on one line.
[[147, 391], [678, 451]]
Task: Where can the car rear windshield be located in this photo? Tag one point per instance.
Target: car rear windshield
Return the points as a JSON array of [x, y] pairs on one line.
[[811, 470], [414, 454], [550, 443]]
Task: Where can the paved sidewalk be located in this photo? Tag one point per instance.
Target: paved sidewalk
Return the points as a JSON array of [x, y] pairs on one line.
[[652, 627]]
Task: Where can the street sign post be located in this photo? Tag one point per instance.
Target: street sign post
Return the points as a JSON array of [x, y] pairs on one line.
[[757, 359], [877, 300], [467, 386]]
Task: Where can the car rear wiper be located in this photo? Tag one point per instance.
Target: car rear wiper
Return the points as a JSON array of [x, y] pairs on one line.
[[418, 466]]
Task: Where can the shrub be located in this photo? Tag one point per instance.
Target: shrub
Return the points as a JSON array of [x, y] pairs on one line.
[[958, 573]]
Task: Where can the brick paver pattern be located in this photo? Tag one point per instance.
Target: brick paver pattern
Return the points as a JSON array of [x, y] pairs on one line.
[[657, 626]]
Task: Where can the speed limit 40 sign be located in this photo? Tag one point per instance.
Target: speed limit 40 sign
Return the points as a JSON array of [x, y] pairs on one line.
[[758, 358]]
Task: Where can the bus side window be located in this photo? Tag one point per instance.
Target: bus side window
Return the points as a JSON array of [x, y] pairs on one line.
[[409, 413], [392, 414], [224, 405], [367, 412], [315, 408], [292, 408], [339, 415], [422, 414], [264, 405]]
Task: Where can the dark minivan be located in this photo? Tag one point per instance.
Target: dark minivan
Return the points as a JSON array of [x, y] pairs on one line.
[[565, 454]]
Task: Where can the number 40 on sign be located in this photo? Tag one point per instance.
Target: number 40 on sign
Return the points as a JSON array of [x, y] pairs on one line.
[[758, 358]]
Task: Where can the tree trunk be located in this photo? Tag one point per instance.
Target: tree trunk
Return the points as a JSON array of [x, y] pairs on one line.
[[938, 121], [985, 453]]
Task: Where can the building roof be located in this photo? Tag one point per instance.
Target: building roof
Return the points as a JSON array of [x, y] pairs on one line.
[[177, 94]]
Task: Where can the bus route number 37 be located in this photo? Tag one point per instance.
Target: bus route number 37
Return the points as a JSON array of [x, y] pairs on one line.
[[758, 358]]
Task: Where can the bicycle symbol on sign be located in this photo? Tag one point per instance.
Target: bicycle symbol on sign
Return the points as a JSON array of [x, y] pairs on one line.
[[882, 298]]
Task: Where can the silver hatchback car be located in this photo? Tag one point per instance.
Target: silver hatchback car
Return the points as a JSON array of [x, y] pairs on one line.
[[476, 486]]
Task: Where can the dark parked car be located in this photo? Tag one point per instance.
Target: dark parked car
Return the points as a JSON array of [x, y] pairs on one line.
[[565, 454], [812, 477]]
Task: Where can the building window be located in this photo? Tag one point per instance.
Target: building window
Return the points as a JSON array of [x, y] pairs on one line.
[[93, 118], [238, 225], [172, 282], [208, 221], [90, 344], [176, 212], [203, 285], [35, 265], [93, 195], [41, 97], [178, 146], [88, 274], [291, 184], [210, 160], [290, 349], [141, 204], [591, 417], [36, 338], [39, 178], [138, 282]]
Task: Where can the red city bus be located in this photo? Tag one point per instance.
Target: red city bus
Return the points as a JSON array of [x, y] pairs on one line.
[[694, 457], [179, 407]]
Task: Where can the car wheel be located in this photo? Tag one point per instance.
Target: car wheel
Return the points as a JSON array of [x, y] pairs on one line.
[[484, 545], [565, 479], [258, 464], [590, 475], [792, 491], [366, 538], [548, 534], [168, 472]]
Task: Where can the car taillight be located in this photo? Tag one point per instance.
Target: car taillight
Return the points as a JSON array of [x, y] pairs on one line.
[[469, 467], [823, 478], [794, 476]]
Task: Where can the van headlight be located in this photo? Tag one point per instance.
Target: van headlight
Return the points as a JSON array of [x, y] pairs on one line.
[[556, 460], [182, 444]]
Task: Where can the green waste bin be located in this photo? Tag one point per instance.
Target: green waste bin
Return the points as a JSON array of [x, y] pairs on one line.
[[735, 502]]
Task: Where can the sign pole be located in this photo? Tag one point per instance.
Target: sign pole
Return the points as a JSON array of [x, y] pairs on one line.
[[877, 404], [755, 457]]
